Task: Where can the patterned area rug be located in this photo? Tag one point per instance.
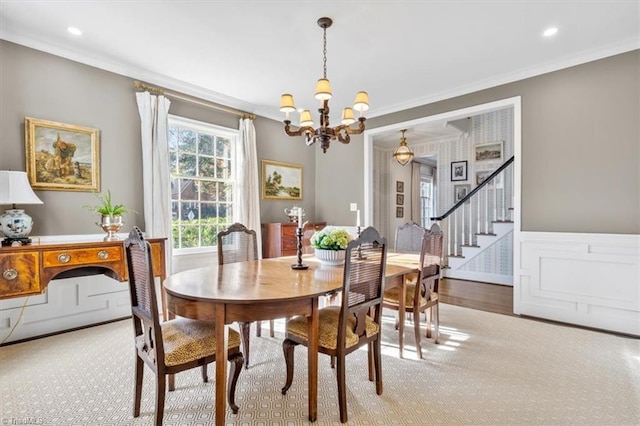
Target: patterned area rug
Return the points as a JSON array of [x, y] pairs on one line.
[[489, 369]]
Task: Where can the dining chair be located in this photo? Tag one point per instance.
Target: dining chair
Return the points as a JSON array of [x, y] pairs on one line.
[[352, 324], [237, 243], [171, 346], [422, 296], [409, 237]]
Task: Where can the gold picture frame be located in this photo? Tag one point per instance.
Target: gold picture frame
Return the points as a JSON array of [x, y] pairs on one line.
[[281, 181], [62, 157]]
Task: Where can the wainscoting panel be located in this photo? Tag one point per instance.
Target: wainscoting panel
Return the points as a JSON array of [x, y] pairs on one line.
[[585, 279], [66, 304]]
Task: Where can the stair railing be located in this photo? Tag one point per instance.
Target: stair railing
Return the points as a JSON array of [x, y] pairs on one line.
[[475, 213]]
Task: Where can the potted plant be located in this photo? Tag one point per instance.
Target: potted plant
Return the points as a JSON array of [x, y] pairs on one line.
[[110, 215], [330, 244]]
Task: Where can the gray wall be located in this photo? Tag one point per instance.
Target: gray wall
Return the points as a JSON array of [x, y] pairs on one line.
[[580, 143], [580, 148], [40, 85]]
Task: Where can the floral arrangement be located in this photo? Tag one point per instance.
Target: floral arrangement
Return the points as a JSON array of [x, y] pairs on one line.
[[331, 239]]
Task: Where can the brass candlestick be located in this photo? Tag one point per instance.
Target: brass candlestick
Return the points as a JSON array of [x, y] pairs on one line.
[[299, 265]]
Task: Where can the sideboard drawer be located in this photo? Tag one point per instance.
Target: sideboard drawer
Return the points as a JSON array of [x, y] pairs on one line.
[[89, 256], [19, 274]]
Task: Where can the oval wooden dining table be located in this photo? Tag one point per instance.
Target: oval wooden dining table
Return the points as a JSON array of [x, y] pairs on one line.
[[260, 290]]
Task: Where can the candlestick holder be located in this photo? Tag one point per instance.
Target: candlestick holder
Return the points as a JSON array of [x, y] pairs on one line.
[[360, 256], [299, 265]]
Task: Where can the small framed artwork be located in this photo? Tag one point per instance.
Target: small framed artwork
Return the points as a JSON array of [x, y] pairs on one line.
[[488, 152], [281, 181], [460, 191], [400, 199], [399, 212], [399, 186], [62, 157], [459, 170], [482, 175]]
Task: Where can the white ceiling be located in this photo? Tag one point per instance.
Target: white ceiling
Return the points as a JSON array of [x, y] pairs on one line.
[[244, 54]]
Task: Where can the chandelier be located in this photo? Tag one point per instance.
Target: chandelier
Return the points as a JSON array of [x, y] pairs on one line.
[[403, 153], [324, 133]]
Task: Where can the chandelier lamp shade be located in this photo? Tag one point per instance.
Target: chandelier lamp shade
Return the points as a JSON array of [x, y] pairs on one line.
[[15, 224], [324, 133], [403, 153]]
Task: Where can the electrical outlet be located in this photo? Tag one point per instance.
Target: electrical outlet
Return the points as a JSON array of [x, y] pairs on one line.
[[353, 207]]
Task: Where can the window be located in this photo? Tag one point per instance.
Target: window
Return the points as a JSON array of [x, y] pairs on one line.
[[202, 172], [427, 207]]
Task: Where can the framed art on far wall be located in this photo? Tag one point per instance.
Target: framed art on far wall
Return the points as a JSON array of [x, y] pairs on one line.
[[460, 191], [458, 170], [488, 152], [62, 157], [281, 181], [399, 186], [399, 212], [400, 199]]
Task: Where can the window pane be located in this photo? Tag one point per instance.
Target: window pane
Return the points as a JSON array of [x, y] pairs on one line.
[[189, 236], [175, 188], [206, 144], [187, 140], [173, 163], [209, 233], [206, 167], [189, 211], [187, 165], [208, 190], [188, 190], [173, 138], [223, 169], [209, 211], [175, 213], [223, 147]]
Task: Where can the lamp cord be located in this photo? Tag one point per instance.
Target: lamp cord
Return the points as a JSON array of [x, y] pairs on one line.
[[17, 321]]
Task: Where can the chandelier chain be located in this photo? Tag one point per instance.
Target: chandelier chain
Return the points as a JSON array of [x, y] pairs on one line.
[[324, 51]]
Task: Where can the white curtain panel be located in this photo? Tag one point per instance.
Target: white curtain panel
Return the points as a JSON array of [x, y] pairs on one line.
[[248, 205], [415, 193], [155, 167]]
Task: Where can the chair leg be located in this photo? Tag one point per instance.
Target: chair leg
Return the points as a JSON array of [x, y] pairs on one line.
[[258, 328], [288, 346], [377, 357], [234, 372], [436, 322], [271, 329], [342, 389], [161, 380], [205, 376], [371, 362], [416, 328], [333, 361], [430, 314], [137, 387], [172, 382], [245, 331]]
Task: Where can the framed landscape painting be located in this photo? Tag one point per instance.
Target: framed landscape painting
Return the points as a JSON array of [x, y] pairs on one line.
[[62, 157], [488, 152], [281, 181]]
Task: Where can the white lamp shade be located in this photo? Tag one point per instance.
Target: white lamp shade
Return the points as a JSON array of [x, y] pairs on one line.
[[286, 103], [305, 118], [362, 102], [347, 116], [323, 89], [15, 189]]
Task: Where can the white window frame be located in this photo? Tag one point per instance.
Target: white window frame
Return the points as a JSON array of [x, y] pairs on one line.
[[233, 135]]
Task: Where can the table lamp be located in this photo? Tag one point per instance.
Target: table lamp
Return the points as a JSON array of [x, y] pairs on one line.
[[15, 224]]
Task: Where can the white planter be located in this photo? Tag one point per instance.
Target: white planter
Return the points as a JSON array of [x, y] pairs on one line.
[[330, 257]]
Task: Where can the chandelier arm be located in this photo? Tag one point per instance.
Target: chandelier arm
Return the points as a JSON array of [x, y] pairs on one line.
[[292, 131]]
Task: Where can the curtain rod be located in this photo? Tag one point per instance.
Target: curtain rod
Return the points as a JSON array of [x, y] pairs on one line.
[[159, 91]]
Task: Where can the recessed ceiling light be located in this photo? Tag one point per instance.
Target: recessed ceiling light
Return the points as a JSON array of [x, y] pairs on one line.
[[75, 31], [550, 32]]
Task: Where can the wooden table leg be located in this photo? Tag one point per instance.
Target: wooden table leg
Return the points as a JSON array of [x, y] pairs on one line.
[[312, 353], [222, 348], [401, 314]]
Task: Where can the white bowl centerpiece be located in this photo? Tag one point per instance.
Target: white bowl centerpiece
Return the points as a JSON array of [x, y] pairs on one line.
[[330, 244]]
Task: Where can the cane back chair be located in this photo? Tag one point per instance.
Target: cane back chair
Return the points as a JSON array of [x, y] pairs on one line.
[[171, 346], [356, 322]]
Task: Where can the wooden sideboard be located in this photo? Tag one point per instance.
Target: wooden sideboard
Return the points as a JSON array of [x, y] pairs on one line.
[[279, 239], [27, 270]]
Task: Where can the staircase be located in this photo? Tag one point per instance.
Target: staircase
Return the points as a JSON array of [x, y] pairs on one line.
[[478, 232]]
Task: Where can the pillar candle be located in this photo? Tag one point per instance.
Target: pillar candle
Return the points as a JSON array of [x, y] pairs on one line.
[[299, 217], [357, 217]]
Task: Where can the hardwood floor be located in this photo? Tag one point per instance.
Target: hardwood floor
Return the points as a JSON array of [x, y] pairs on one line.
[[477, 295]]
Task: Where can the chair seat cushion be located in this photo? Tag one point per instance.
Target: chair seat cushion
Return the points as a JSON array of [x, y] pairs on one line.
[[329, 318], [392, 297], [187, 340]]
